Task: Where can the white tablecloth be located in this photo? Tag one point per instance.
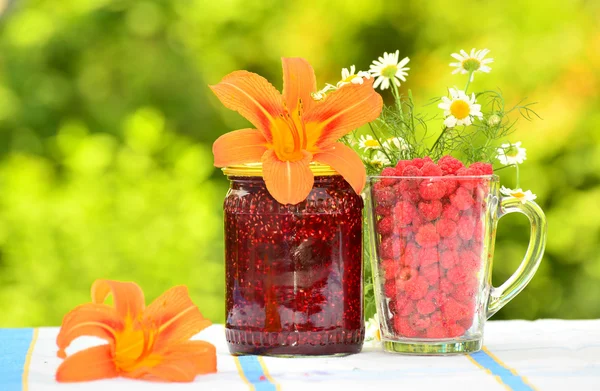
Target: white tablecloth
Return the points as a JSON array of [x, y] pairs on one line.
[[518, 355]]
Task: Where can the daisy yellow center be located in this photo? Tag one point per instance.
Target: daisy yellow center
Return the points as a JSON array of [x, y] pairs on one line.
[[512, 151], [460, 109], [389, 71], [471, 64], [371, 143], [517, 194]]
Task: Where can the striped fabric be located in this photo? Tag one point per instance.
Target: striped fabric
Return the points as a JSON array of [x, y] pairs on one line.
[[518, 355]]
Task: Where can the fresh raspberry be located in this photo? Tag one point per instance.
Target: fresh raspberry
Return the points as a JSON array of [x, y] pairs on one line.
[[465, 293], [437, 297], [383, 211], [446, 286], [418, 162], [411, 171], [430, 210], [446, 228], [427, 236], [467, 322], [401, 304], [417, 223], [410, 257], [485, 168], [385, 226], [455, 330], [436, 332], [390, 248], [432, 190], [451, 243], [449, 165], [389, 289], [431, 169], [390, 268], [449, 259], [416, 288], [431, 274], [384, 197], [401, 165], [451, 212], [411, 195], [454, 311], [405, 307], [403, 213], [466, 226], [406, 184], [403, 328], [419, 322], [389, 171], [436, 318], [451, 185], [457, 275], [428, 256], [462, 199], [425, 307], [469, 260]]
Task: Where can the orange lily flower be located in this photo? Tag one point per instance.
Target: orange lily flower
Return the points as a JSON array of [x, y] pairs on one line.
[[292, 129], [143, 343]]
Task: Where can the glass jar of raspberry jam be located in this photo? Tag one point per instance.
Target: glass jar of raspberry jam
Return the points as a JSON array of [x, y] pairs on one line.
[[293, 272]]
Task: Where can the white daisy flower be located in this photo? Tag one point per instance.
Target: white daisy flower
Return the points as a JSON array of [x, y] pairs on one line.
[[372, 333], [379, 160], [510, 154], [387, 69], [461, 109], [367, 142], [519, 194], [350, 76], [320, 95], [471, 62], [395, 142]]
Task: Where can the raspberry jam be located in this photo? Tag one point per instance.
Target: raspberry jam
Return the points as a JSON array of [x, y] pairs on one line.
[[293, 272]]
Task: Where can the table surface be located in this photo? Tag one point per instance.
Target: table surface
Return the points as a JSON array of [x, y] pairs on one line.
[[518, 355]]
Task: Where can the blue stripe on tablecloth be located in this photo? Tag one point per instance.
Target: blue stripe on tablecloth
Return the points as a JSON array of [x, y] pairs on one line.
[[503, 373], [14, 345], [255, 374]]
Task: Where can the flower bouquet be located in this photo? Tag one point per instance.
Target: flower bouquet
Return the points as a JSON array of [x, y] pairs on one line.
[[432, 217]]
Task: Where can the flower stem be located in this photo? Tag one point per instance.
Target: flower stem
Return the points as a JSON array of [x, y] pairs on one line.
[[468, 81], [380, 143], [518, 179], [396, 94]]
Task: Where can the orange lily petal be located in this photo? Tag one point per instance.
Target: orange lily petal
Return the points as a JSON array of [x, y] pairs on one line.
[[342, 111], [347, 163], [253, 97], [299, 82], [89, 364], [128, 296], [95, 320], [181, 363], [176, 316], [239, 147], [289, 182]]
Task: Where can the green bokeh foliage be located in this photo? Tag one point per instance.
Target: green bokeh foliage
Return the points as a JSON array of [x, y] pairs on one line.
[[106, 124]]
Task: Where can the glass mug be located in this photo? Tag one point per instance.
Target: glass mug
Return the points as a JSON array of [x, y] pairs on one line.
[[431, 245]]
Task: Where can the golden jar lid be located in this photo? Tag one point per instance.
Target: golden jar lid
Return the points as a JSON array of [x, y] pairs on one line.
[[255, 169]]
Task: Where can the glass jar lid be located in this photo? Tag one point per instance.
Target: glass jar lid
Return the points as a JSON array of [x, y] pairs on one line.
[[255, 169]]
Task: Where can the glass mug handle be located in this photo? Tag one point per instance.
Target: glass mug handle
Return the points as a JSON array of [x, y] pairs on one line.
[[537, 242]]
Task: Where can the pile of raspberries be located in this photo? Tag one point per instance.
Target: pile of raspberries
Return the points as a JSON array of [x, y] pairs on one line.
[[430, 234]]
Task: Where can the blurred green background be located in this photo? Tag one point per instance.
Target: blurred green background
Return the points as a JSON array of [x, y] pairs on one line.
[[106, 126]]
